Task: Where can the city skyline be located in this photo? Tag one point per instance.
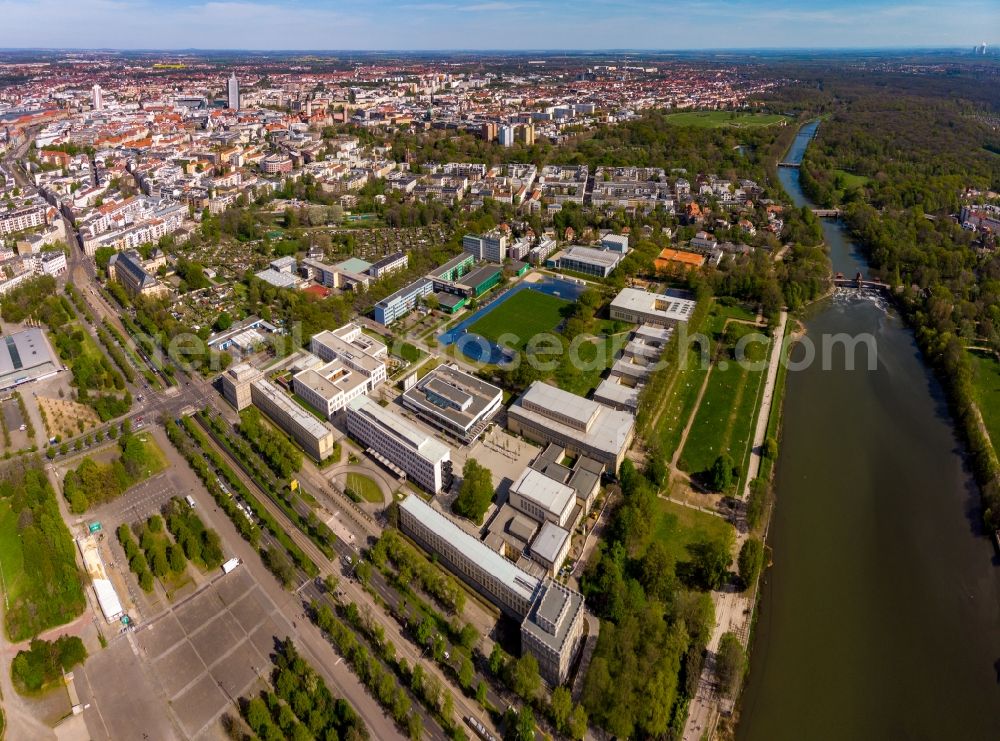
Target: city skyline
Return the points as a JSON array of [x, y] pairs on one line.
[[494, 25]]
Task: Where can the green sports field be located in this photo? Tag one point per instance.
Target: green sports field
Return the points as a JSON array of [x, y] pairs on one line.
[[986, 384], [524, 314], [720, 119]]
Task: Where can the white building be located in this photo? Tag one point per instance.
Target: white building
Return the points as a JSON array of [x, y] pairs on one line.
[[396, 441], [543, 498], [234, 92], [355, 349], [454, 401], [642, 307], [97, 98]]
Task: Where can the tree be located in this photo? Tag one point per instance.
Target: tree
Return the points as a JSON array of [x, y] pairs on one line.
[[578, 723], [523, 677], [223, 322], [770, 448], [709, 563], [730, 662], [755, 502], [562, 706], [498, 659], [476, 493], [466, 673], [750, 561], [720, 476], [519, 726]]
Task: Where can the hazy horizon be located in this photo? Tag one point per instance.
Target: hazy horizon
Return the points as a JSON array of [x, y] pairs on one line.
[[478, 25]]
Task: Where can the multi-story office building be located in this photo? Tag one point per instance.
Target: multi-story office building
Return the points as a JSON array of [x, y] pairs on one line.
[[543, 498], [402, 301], [551, 615], [234, 92], [454, 401], [397, 442], [552, 631], [545, 413], [316, 438], [329, 387], [389, 264], [236, 385]]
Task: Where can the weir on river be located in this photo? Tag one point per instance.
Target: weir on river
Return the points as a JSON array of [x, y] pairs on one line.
[[880, 618]]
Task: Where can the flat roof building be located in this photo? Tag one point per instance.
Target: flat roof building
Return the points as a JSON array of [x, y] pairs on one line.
[[586, 260], [454, 401], [543, 498], [639, 307], [403, 301], [551, 614], [362, 353], [26, 356], [499, 580], [329, 387], [552, 631], [316, 438], [236, 385], [545, 413], [395, 440]]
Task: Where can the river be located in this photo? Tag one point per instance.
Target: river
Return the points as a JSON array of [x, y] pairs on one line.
[[880, 617]]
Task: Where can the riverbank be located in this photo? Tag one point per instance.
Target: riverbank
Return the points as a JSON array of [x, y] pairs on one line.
[[879, 573]]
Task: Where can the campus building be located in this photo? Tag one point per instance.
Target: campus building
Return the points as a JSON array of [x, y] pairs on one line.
[[548, 414], [327, 387], [358, 351], [316, 438], [587, 260], [642, 307], [129, 269], [395, 441], [491, 247], [551, 615], [236, 385], [402, 302], [454, 402]]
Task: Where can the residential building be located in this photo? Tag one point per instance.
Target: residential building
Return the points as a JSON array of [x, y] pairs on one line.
[[545, 413], [315, 437], [454, 401], [396, 441]]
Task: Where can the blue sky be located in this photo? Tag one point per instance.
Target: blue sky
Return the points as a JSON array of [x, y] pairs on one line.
[[495, 24]]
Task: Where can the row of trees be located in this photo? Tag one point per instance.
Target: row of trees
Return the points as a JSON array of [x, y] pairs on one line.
[[301, 706], [281, 455]]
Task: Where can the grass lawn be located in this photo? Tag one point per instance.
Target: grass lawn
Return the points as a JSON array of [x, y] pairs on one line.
[[11, 555], [155, 459], [850, 180], [524, 314], [725, 419], [719, 119], [677, 526], [986, 382], [365, 487], [409, 353]]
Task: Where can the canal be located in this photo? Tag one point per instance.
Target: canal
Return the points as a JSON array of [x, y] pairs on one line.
[[880, 617]]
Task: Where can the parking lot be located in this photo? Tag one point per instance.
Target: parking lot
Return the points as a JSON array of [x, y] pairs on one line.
[[195, 660]]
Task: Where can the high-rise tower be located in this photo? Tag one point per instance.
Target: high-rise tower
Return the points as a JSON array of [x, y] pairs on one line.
[[234, 93]]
